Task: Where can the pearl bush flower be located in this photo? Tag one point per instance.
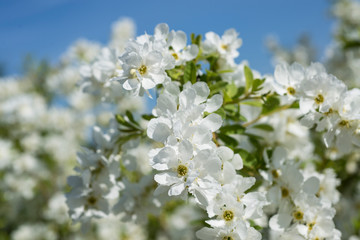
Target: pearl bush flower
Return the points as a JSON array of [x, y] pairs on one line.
[[226, 153]]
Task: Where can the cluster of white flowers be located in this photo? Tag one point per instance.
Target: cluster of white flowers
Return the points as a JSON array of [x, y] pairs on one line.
[[301, 202], [38, 142], [340, 128], [190, 162], [111, 183], [189, 158], [146, 59], [44, 119], [325, 101], [234, 151], [96, 183]]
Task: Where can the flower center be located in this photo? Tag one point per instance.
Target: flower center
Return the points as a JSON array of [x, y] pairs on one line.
[[175, 56], [329, 112], [228, 215], [344, 123], [142, 70], [284, 192], [227, 238], [182, 170], [275, 173], [224, 46], [298, 215], [291, 90], [319, 99], [311, 225], [91, 200]]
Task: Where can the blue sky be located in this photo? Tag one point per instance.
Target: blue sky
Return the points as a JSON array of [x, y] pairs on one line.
[[45, 28]]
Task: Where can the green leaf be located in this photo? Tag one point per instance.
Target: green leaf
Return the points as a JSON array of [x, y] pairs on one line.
[[233, 113], [232, 129], [231, 107], [192, 37], [241, 118], [249, 78], [265, 127], [190, 72], [254, 225], [351, 44], [212, 76], [253, 136], [270, 104], [295, 105], [226, 97], [229, 141], [174, 73], [255, 142], [132, 130], [221, 112], [212, 62], [225, 71], [217, 87], [231, 90], [131, 117], [240, 91], [257, 84], [120, 119], [255, 103], [196, 39], [153, 227], [249, 160], [147, 117]]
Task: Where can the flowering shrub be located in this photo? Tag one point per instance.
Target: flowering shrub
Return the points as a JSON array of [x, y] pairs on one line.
[[44, 119], [226, 152], [238, 146]]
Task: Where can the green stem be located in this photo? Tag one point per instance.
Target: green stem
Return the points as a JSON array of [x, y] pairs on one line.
[[284, 107], [245, 97]]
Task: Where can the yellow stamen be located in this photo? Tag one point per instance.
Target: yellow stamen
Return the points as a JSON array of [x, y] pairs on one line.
[[182, 170], [291, 90], [228, 215], [298, 215], [284, 192], [319, 99]]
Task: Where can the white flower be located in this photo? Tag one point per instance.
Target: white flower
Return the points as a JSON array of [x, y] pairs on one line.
[[98, 76], [226, 46], [319, 223], [181, 53], [91, 191], [344, 125], [121, 31], [34, 231], [6, 153], [56, 209], [137, 200], [327, 184], [82, 51], [185, 169], [85, 201], [238, 232], [288, 79], [143, 67], [349, 107], [187, 121], [320, 90]]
